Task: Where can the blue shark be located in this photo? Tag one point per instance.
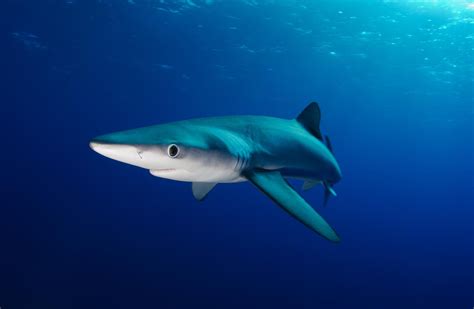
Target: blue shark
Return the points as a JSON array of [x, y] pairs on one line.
[[265, 151]]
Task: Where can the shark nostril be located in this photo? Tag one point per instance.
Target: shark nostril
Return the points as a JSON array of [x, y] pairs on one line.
[[139, 153]]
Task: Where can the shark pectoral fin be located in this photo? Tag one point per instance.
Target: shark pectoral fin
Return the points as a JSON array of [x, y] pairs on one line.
[[275, 187], [201, 189], [308, 184]]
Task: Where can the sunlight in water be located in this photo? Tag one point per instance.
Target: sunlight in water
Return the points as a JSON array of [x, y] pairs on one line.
[[452, 4], [455, 4]]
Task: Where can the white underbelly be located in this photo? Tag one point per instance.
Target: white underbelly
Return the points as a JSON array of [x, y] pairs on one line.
[[203, 175]]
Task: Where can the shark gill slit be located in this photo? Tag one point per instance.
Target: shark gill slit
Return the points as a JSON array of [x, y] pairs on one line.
[[241, 163], [238, 163], [245, 163]]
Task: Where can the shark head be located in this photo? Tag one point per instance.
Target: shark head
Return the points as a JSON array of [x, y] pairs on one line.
[[174, 151]]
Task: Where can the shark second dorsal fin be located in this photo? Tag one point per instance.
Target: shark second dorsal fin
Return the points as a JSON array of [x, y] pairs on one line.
[[310, 118]]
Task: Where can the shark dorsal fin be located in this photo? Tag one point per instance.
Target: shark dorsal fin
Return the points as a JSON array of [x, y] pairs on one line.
[[310, 118], [328, 144]]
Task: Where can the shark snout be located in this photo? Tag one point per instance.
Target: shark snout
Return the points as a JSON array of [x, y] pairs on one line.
[[113, 151], [131, 153], [125, 153]]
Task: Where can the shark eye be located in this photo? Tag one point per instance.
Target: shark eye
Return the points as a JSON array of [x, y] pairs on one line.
[[173, 151]]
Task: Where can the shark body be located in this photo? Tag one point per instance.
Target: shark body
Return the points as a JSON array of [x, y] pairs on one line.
[[259, 149]]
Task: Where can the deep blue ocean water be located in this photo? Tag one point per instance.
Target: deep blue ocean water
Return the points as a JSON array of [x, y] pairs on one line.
[[395, 83]]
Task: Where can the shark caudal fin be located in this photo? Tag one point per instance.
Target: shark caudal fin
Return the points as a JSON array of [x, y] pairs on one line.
[[310, 119], [328, 191]]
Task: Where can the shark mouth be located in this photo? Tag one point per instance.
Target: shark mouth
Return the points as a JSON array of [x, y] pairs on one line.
[[162, 170]]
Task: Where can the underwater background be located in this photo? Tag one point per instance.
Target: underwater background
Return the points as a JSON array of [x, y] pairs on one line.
[[394, 80]]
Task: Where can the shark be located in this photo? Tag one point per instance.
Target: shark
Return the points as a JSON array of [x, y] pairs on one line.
[[265, 151]]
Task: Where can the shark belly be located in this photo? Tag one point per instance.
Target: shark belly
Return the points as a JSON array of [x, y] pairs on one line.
[[206, 175]]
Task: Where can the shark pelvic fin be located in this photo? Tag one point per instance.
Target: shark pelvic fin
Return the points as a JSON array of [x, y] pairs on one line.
[[308, 184], [310, 119], [201, 189], [275, 187]]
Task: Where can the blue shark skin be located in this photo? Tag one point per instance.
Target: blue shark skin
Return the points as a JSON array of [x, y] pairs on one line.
[[262, 150]]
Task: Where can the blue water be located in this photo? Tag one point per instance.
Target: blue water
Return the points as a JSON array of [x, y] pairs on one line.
[[395, 83]]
